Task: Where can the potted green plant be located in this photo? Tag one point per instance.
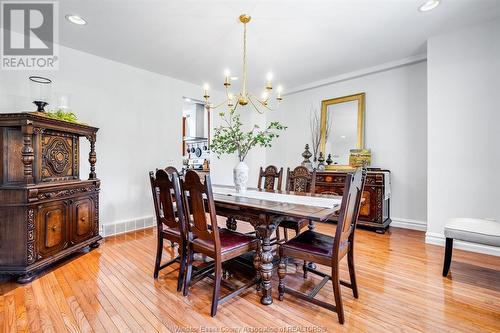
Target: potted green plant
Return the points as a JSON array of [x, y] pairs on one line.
[[230, 138]]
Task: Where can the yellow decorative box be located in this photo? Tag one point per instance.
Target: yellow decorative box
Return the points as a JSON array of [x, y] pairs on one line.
[[360, 157]]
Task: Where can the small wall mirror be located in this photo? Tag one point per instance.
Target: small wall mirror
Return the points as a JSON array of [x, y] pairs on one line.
[[342, 128]]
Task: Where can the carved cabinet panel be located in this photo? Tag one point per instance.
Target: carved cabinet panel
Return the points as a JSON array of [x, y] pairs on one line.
[[52, 223], [59, 156], [83, 220]]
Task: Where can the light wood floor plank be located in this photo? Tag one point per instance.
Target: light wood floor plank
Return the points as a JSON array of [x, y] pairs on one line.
[[21, 315], [32, 311]]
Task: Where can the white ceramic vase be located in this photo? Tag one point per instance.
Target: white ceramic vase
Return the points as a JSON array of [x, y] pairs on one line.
[[240, 177]]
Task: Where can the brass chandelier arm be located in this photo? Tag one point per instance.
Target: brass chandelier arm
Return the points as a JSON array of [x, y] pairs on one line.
[[250, 97], [219, 105], [253, 104]]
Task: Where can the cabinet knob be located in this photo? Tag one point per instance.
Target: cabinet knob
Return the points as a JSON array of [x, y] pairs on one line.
[[54, 228], [82, 219]]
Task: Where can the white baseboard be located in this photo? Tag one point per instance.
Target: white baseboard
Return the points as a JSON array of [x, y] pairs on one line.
[[439, 239], [121, 227], [399, 222]]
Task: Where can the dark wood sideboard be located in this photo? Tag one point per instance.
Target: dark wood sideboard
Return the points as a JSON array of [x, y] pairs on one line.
[[46, 211], [375, 209]]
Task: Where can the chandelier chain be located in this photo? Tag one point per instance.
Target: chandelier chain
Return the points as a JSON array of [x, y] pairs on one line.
[[244, 59]]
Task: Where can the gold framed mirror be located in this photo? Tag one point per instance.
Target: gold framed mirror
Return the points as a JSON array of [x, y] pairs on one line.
[[342, 128]]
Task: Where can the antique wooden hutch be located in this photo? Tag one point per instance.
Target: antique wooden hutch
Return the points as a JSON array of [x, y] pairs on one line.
[[46, 211], [375, 209]]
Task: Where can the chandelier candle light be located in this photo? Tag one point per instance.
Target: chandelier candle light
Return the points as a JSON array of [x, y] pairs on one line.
[[244, 97]]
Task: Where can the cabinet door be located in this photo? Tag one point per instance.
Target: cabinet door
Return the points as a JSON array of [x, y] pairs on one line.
[[82, 221], [52, 221]]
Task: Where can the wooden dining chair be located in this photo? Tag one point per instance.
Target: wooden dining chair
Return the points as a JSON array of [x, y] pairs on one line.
[[205, 237], [170, 221], [327, 250], [272, 178], [298, 180]]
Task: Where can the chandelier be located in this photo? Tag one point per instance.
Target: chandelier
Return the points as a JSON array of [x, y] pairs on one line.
[[244, 97]]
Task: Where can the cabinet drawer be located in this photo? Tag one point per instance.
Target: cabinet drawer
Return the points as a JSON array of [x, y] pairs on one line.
[[82, 226], [52, 221]]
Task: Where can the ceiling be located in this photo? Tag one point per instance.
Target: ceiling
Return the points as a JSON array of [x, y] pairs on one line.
[[299, 41]]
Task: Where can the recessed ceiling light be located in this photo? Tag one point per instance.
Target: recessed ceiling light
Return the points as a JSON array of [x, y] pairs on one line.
[[75, 19], [429, 5]]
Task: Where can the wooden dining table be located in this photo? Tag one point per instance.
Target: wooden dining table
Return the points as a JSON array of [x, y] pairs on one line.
[[265, 215]]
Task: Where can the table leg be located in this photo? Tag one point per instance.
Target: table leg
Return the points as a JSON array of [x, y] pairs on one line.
[[266, 270], [256, 265]]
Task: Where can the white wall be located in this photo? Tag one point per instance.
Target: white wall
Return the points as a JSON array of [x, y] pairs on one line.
[[139, 115], [463, 126], [396, 116]]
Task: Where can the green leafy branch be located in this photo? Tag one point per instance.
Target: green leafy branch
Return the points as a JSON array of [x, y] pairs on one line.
[[230, 138]]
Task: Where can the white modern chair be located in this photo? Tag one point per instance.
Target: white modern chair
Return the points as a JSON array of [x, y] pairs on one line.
[[480, 231]]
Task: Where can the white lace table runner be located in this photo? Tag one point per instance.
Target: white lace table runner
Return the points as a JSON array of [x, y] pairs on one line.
[[279, 197]]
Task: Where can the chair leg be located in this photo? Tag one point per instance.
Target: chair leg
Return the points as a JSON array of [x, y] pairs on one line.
[[304, 269], [336, 292], [447, 256], [189, 269], [216, 295], [182, 269], [159, 251], [352, 272], [281, 275]]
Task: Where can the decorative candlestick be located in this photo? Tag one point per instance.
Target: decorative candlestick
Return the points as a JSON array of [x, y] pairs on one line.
[[321, 160], [307, 155], [329, 160]]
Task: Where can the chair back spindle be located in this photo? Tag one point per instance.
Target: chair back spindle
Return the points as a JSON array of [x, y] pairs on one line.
[[199, 205], [167, 200], [301, 180], [272, 178], [349, 210]]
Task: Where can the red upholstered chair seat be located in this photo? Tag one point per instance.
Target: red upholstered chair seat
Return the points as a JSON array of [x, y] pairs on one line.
[[312, 243], [229, 240]]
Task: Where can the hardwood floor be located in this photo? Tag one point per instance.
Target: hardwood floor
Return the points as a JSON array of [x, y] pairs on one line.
[[111, 289]]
